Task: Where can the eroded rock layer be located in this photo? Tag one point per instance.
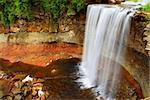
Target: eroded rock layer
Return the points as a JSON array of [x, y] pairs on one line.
[[137, 59]]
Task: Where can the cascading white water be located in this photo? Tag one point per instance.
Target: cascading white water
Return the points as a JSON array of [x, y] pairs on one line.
[[106, 29], [137, 3]]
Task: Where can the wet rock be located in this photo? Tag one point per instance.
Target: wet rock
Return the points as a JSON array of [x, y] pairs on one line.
[[55, 88], [27, 90], [137, 64], [136, 56]]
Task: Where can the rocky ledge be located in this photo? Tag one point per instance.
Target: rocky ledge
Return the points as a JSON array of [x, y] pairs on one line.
[[147, 37], [137, 58]]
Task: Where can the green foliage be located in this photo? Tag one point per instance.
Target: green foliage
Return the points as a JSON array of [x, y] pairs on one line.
[[145, 7], [55, 7], [75, 6], [134, 0], [45, 5], [58, 7], [10, 10]]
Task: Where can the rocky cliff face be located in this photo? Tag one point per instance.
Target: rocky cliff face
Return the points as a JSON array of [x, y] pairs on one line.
[[137, 59], [136, 35], [69, 29], [147, 38]]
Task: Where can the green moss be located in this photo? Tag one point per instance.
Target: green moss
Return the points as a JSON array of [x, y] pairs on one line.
[[145, 7]]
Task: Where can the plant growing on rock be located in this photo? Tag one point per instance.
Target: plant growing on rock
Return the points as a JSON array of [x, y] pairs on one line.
[[145, 7], [75, 6], [10, 10], [55, 7]]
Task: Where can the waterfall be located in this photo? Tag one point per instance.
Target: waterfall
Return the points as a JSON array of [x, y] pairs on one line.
[[106, 30], [137, 3]]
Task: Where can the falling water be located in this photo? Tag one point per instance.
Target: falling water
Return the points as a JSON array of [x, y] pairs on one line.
[[137, 3], [106, 29]]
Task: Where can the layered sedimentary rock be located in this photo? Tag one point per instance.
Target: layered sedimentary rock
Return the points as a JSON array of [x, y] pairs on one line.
[[137, 59], [147, 38]]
